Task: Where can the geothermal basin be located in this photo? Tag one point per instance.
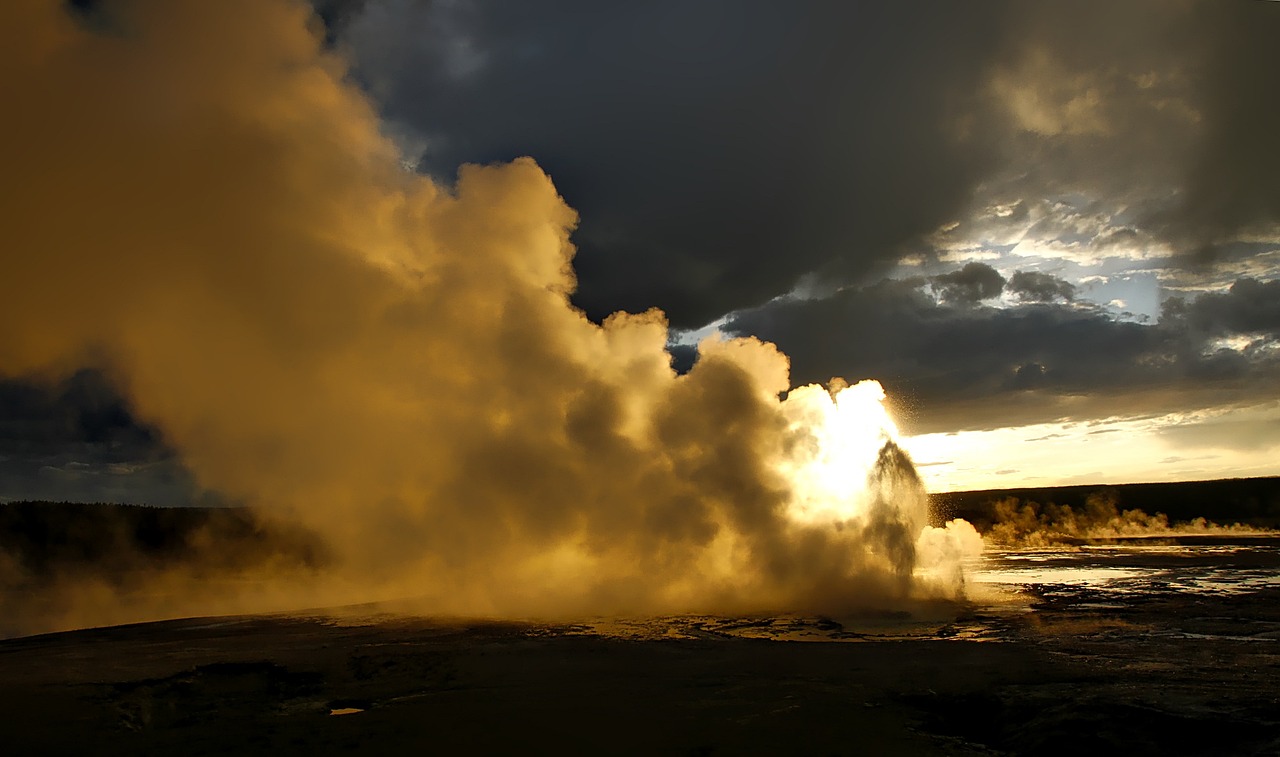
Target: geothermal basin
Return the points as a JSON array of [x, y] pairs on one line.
[[1139, 646]]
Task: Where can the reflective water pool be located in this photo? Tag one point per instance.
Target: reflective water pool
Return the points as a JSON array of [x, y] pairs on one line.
[[1135, 566]]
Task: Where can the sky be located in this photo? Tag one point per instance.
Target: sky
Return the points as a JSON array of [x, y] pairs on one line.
[[1051, 231]]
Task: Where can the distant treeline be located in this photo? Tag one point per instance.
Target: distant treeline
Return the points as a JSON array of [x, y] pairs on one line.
[[1248, 501], [57, 538]]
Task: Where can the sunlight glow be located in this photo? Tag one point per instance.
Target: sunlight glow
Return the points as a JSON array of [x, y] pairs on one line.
[[837, 437], [1223, 442]]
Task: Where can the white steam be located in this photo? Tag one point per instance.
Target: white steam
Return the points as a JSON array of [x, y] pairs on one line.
[[208, 211]]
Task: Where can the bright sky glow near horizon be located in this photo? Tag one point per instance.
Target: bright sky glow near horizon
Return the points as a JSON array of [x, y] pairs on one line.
[[1169, 448]]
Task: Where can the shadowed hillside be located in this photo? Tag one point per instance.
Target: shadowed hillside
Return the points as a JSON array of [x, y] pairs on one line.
[[40, 540]]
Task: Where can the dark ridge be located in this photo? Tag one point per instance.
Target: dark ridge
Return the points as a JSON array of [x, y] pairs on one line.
[[1247, 501], [47, 539]]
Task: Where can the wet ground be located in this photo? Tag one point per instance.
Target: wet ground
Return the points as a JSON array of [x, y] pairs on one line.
[[1137, 647]]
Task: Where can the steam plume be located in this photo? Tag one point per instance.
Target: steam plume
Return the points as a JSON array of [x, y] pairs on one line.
[[204, 208], [1032, 524]]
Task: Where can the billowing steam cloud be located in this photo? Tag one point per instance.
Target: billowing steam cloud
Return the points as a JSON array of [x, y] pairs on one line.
[[202, 206]]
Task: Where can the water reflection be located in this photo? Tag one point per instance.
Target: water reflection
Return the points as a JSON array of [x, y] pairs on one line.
[[1195, 565]]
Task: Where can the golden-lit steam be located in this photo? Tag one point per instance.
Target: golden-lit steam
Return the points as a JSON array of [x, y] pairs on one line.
[[203, 206], [846, 471], [1016, 523], [845, 430]]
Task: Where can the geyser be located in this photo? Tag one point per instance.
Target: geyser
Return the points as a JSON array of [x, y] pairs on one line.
[[229, 236]]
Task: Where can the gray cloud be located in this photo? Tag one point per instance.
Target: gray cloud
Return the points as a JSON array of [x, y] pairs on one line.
[[337, 15], [1034, 286], [1164, 110], [1093, 104], [980, 367], [717, 151], [77, 440], [720, 152], [1249, 307], [81, 409], [1232, 181], [969, 285]]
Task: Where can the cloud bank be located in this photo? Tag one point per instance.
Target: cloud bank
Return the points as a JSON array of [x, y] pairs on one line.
[[962, 365], [719, 151], [723, 153]]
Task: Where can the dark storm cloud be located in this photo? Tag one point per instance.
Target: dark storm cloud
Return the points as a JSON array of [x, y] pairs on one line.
[[76, 440], [982, 367], [719, 153], [1134, 123], [82, 409], [1033, 286], [969, 285], [1163, 108], [1249, 307], [1094, 108], [337, 15], [716, 151], [1234, 180]]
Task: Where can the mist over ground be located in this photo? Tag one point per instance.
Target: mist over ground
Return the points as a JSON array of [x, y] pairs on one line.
[[68, 565]]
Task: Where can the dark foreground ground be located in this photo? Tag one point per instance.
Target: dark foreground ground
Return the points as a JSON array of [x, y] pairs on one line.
[[1060, 673]]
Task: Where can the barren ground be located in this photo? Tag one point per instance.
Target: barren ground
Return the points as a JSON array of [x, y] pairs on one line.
[[1061, 673]]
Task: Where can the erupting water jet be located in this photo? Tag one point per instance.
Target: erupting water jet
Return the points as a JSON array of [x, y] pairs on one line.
[[848, 472], [838, 436]]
